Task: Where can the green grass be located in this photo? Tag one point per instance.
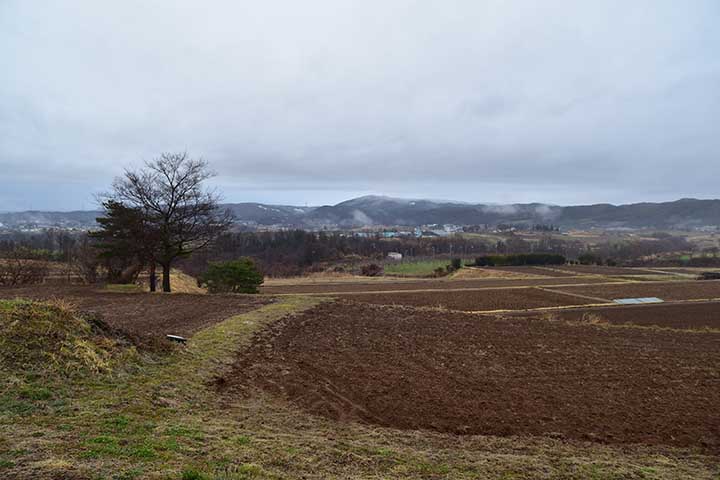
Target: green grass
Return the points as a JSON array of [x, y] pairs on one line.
[[124, 288], [144, 416], [422, 268]]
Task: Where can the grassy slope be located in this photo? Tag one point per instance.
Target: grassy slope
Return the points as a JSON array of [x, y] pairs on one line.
[[161, 419]]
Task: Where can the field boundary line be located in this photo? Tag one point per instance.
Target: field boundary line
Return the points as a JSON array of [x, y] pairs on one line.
[[618, 281], [461, 289], [586, 297], [689, 300], [569, 272], [541, 309], [676, 274], [590, 306]]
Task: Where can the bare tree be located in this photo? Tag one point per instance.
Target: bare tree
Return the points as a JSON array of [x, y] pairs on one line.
[[84, 261], [20, 268], [185, 216]]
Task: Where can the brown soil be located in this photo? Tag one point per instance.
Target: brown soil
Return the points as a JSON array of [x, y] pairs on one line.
[[677, 290], [601, 270], [473, 273], [474, 300], [549, 271], [460, 373], [145, 314], [686, 316], [439, 284], [685, 271]]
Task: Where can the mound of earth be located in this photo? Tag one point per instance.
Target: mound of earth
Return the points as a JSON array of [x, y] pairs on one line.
[[465, 374], [53, 337]]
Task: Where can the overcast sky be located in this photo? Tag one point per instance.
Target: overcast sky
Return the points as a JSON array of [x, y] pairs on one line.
[[566, 102]]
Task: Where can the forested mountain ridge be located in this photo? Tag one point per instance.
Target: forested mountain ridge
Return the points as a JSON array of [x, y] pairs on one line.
[[379, 210]]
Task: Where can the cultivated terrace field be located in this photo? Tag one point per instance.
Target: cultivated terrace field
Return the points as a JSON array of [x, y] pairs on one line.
[[497, 373]]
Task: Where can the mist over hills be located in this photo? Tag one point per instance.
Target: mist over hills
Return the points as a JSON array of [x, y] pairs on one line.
[[379, 210]]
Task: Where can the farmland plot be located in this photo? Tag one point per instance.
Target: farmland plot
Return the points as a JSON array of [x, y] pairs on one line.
[[458, 373], [691, 316], [434, 284], [475, 300], [603, 270], [678, 290]]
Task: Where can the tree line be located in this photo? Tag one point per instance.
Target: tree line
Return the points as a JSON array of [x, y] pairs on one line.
[[295, 252]]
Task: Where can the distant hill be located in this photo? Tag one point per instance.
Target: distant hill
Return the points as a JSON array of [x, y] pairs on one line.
[[687, 212], [35, 219], [377, 210]]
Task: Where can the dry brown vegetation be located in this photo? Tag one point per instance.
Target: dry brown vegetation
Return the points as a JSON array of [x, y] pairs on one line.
[[16, 270]]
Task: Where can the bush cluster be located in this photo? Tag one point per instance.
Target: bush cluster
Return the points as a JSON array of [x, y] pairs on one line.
[[236, 276], [371, 270]]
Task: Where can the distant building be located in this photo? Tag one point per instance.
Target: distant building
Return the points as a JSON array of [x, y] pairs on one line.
[[450, 228], [397, 256]]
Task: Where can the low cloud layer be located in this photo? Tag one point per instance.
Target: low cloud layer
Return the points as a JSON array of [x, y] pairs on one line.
[[314, 102]]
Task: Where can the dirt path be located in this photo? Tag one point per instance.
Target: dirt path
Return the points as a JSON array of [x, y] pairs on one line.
[[576, 295]]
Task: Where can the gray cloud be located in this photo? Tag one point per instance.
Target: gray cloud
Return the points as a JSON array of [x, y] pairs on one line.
[[313, 102]]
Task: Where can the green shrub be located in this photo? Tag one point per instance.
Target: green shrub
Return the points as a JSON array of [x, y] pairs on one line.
[[372, 270], [236, 276], [456, 263], [589, 259]]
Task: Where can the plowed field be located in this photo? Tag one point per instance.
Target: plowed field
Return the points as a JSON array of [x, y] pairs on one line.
[[678, 290], [460, 373], [142, 313], [474, 300], [438, 284], [688, 316], [601, 270]]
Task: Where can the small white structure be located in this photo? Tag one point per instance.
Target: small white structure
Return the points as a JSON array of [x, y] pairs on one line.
[[394, 256], [636, 301]]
